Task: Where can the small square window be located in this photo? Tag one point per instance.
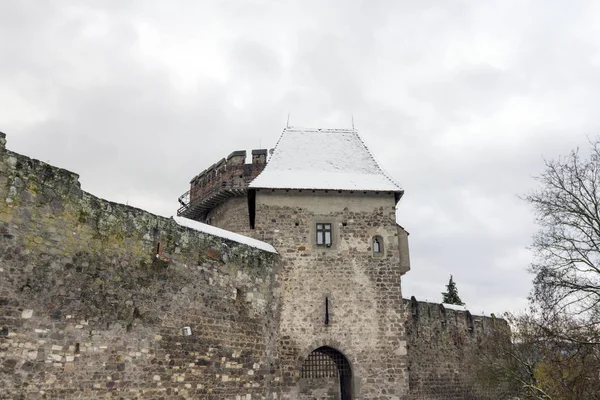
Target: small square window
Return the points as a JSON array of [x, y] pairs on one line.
[[324, 235]]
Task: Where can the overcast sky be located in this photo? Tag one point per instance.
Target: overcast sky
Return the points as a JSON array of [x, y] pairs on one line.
[[459, 100]]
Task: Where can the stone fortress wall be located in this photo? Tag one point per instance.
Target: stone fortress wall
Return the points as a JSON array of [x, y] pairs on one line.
[[94, 297], [445, 350], [366, 317], [232, 215]]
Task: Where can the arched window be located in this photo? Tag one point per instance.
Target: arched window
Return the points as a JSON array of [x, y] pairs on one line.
[[377, 245], [327, 362]]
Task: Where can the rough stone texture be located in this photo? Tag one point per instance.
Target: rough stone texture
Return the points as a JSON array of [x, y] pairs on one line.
[[366, 320], [319, 389], [94, 296], [443, 350], [433, 357], [232, 215]]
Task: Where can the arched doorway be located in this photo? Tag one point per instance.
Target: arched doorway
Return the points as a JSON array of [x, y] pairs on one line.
[[326, 375]]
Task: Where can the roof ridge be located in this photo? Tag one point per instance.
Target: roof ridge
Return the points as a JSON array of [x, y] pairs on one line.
[[300, 128]]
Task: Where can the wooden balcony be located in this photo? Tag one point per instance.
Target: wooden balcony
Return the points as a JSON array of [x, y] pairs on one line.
[[197, 208]]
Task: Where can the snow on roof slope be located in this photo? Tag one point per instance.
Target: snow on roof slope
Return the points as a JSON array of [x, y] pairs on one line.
[[334, 159], [213, 230]]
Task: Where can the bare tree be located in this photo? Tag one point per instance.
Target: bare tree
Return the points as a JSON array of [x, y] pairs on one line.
[[510, 356], [521, 358], [567, 246]]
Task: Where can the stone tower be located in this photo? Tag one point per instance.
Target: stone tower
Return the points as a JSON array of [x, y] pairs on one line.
[[328, 208]]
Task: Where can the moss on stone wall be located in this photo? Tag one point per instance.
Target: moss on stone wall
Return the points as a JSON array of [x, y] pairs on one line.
[[444, 351], [95, 296]]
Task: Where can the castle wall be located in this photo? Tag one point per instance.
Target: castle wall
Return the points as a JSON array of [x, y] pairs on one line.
[[94, 297], [232, 215], [366, 318], [445, 353]]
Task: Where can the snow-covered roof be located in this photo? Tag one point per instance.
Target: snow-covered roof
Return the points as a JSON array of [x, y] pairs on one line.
[[213, 230], [330, 159]]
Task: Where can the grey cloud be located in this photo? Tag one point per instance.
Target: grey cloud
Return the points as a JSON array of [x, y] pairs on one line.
[[458, 101]]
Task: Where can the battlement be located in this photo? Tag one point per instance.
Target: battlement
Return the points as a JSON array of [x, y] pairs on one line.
[[445, 344], [226, 178], [446, 316], [109, 287]]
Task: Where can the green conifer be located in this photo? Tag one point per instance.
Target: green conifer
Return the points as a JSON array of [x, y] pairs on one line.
[[450, 296]]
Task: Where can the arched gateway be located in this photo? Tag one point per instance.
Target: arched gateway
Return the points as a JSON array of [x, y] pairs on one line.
[[326, 375]]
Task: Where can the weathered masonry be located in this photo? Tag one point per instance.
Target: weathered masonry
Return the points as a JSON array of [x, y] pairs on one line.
[[99, 299], [329, 209], [279, 279]]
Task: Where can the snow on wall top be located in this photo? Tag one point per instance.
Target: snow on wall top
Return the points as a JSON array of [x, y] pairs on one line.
[[455, 307], [213, 230], [333, 159]]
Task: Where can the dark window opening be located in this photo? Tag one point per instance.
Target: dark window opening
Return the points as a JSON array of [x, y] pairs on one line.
[[252, 206], [377, 245], [326, 310], [324, 235]]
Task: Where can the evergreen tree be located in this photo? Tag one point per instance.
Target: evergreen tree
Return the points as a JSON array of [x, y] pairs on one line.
[[450, 296]]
